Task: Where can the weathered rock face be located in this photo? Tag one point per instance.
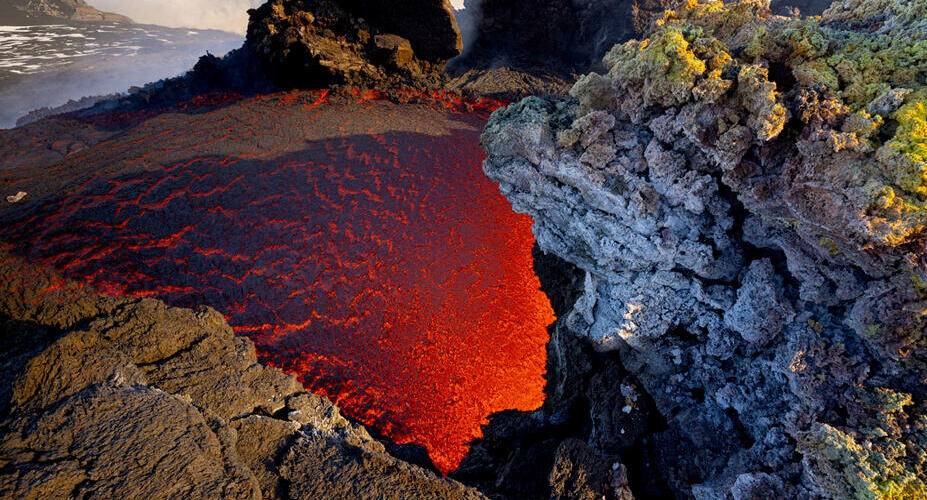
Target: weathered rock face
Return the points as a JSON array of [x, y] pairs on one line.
[[128, 398], [429, 25], [373, 43], [745, 194], [44, 11]]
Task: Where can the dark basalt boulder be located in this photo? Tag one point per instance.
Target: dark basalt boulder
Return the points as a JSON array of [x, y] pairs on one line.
[[366, 43], [429, 25], [516, 48]]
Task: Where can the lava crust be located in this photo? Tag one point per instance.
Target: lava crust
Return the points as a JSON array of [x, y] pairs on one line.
[[353, 239]]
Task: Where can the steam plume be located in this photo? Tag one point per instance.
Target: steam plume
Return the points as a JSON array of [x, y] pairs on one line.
[[226, 15]]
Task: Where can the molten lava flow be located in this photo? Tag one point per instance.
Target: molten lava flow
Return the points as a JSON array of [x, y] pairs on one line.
[[382, 268]]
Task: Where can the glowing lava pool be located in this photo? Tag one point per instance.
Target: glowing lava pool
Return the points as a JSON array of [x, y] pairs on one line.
[[355, 240]]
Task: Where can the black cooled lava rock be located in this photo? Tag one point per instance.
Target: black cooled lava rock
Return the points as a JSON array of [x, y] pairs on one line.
[[364, 43]]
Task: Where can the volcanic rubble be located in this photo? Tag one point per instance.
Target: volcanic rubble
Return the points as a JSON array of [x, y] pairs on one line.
[[319, 43], [741, 202]]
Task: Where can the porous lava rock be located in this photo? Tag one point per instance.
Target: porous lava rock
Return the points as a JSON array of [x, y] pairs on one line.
[[746, 195], [108, 397], [369, 43]]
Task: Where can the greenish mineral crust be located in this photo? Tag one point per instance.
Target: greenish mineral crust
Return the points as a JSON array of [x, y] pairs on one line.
[[868, 90], [878, 467]]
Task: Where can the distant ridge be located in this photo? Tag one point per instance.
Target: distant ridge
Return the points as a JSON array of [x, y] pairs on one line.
[[28, 12]]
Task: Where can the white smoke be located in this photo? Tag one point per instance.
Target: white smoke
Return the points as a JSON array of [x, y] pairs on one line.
[[226, 15]]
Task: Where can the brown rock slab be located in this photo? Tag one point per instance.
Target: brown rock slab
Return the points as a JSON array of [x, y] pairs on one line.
[[367, 43], [129, 398], [429, 25], [261, 441], [121, 442], [321, 467]]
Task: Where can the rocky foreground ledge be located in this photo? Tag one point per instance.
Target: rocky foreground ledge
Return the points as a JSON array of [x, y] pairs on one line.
[[105, 397]]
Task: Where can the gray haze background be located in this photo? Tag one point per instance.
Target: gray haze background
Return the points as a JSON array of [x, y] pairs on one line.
[[227, 15]]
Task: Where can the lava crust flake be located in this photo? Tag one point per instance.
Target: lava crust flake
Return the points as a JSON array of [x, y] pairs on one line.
[[355, 240]]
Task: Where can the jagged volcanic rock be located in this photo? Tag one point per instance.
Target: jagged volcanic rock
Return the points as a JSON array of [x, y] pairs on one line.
[[373, 43], [107, 397], [429, 25], [746, 196], [50, 11]]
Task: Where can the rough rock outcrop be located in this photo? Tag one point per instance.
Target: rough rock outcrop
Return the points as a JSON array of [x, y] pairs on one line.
[[127, 398], [747, 197], [50, 11], [373, 43]]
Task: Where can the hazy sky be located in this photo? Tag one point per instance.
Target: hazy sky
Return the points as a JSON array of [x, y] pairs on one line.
[[228, 15]]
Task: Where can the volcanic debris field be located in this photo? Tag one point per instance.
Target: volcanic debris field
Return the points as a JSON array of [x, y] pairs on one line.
[[354, 239]]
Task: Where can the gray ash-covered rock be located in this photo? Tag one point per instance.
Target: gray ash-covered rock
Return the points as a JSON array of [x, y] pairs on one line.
[[748, 208]]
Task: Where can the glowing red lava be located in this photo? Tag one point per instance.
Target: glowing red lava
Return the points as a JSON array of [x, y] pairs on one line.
[[358, 244]]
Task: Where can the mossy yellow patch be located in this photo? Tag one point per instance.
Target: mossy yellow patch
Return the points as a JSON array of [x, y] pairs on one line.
[[664, 62], [911, 135]]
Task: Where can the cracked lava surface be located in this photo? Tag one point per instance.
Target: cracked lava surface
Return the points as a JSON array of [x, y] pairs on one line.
[[354, 239]]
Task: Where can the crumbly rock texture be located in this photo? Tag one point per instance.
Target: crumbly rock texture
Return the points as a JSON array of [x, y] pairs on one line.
[[368, 43], [746, 196], [104, 397]]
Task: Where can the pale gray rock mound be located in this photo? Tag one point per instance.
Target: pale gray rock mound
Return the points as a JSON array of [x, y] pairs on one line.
[[742, 259]]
